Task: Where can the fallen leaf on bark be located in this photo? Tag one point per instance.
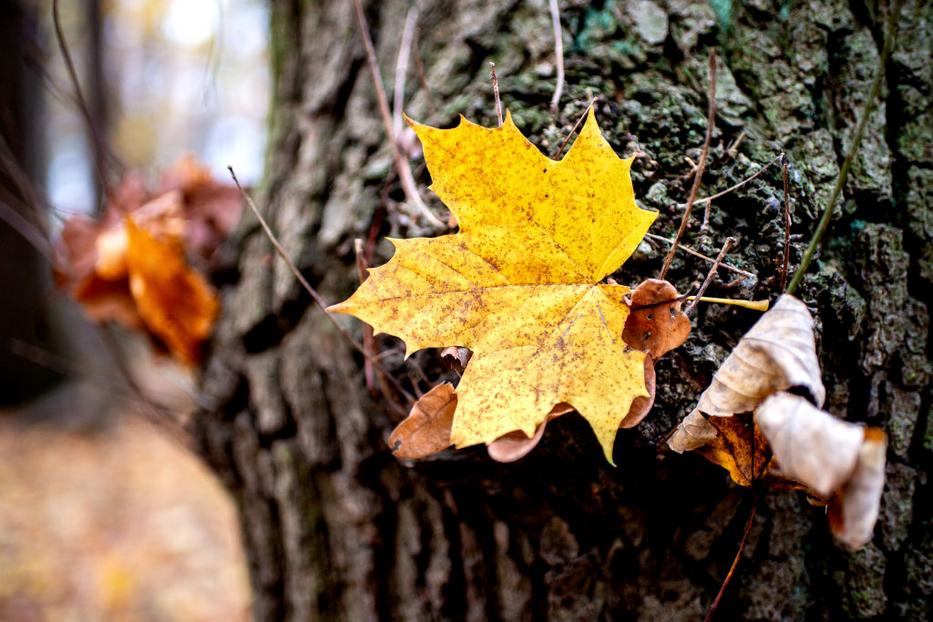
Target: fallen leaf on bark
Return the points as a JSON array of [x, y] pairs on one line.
[[810, 445], [787, 441], [656, 324], [521, 284], [854, 509], [426, 430], [777, 353]]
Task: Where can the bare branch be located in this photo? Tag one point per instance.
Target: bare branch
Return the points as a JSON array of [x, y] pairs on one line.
[[402, 167]]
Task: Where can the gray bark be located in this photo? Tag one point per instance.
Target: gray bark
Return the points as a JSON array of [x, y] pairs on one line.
[[336, 528]]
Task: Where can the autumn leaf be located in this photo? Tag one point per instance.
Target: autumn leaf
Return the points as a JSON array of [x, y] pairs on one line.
[[174, 301], [426, 429], [521, 284], [777, 353], [751, 424]]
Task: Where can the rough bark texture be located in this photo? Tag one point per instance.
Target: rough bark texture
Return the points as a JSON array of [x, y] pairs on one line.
[[336, 528]]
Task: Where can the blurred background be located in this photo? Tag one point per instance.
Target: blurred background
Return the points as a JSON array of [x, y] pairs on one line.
[[102, 516]]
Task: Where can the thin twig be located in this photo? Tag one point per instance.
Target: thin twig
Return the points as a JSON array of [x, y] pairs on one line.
[[401, 70], [705, 224], [368, 338], [570, 134], [873, 92], [27, 230], [732, 188], [422, 76], [701, 166], [402, 165], [558, 54], [495, 91], [690, 251], [318, 299], [735, 562], [101, 151], [786, 264], [727, 245], [733, 149]]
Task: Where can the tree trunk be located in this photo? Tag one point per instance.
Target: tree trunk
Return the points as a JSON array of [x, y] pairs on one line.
[[336, 528]]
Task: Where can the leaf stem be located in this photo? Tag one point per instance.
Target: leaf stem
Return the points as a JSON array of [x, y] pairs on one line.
[[873, 92]]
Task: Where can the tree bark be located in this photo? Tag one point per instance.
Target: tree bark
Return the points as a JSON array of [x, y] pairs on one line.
[[336, 528]]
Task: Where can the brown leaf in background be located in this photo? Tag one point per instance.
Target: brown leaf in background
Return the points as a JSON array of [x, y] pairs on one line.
[[426, 430], [659, 325], [212, 208], [854, 509], [777, 353], [175, 302]]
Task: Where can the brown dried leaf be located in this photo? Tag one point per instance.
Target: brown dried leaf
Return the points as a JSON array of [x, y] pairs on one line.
[[693, 432], [659, 325], [739, 447], [212, 208], [515, 445], [426, 430], [175, 302], [777, 353], [641, 405], [854, 510], [809, 445]]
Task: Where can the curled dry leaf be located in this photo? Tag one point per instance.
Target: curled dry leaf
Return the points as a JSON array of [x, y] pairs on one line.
[[777, 353], [212, 208], [521, 284], [810, 445], [426, 429], [854, 509]]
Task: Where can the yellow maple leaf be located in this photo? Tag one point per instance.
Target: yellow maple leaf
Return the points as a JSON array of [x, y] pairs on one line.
[[520, 284]]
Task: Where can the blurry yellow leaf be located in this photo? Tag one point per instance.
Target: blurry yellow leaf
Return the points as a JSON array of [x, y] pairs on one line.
[[520, 284]]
